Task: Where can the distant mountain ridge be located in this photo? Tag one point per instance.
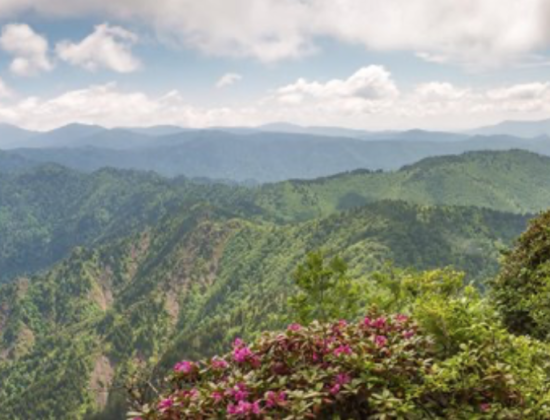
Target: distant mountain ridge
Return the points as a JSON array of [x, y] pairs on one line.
[[523, 129], [270, 153]]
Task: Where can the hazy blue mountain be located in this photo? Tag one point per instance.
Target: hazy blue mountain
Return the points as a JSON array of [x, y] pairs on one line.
[[420, 135], [66, 136], [12, 162], [12, 136], [158, 130], [263, 157], [524, 129]]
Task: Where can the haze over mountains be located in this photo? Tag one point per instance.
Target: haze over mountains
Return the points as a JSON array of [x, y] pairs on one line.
[[269, 153], [115, 268]]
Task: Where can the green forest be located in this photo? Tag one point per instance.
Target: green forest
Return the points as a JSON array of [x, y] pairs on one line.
[[110, 279]]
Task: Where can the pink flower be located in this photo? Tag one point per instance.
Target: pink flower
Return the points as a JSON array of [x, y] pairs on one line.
[[219, 364], [380, 340], [294, 327], [315, 357], [342, 379], [239, 392], [217, 396], [240, 354], [238, 342], [485, 407], [184, 367], [335, 389], [379, 322], [408, 334], [401, 318], [343, 350], [244, 408], [165, 404], [274, 399], [367, 322], [256, 407], [191, 393]]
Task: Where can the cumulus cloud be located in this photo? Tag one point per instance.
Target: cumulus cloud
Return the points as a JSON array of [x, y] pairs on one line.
[[440, 92], [29, 49], [110, 106], [108, 47], [368, 99], [469, 32], [228, 80], [466, 31], [5, 92], [366, 91]]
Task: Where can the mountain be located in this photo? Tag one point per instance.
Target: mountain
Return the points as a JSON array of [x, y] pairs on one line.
[[12, 136], [13, 163], [158, 130], [70, 335], [523, 129], [262, 157], [46, 211], [419, 135], [515, 181], [411, 135], [66, 136], [282, 127]]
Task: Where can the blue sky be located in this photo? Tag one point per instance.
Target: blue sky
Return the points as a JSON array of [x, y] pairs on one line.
[[436, 64]]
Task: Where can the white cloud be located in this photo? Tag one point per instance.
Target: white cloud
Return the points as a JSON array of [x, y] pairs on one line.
[[440, 91], [29, 49], [107, 47], [366, 91], [110, 106], [469, 32], [228, 80], [5, 92], [367, 99]]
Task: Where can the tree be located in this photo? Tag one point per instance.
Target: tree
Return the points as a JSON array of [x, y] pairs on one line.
[[325, 290], [522, 289]]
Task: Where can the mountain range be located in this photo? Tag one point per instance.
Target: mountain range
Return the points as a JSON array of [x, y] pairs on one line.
[[47, 211], [241, 155], [120, 253]]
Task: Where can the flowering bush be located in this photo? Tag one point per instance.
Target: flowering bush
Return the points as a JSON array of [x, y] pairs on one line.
[[455, 361], [354, 369]]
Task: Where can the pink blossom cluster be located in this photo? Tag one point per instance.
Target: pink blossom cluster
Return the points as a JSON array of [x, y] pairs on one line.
[[268, 378]]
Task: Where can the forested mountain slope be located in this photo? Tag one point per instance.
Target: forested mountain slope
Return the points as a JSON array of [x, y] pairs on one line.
[[45, 212], [515, 181], [93, 319]]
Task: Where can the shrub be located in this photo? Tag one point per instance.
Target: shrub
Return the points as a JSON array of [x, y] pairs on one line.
[[371, 367], [381, 367], [522, 289]]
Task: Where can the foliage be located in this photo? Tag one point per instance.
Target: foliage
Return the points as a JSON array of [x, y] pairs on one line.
[[47, 211], [325, 290], [521, 290], [369, 368], [203, 273], [379, 367], [513, 181]]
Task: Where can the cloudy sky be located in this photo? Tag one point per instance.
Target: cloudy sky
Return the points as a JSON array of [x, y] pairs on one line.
[[371, 64]]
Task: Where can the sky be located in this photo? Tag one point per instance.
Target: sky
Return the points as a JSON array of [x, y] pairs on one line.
[[367, 64]]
